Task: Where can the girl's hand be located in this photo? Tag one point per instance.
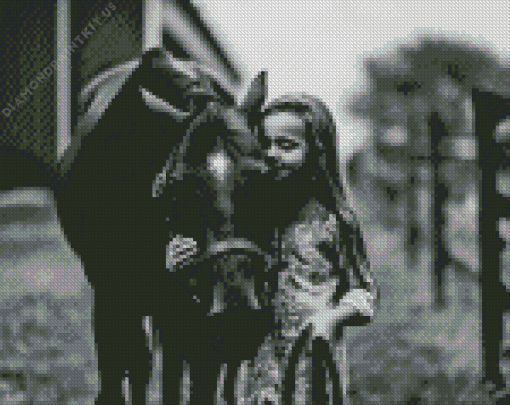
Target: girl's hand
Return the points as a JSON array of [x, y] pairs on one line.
[[179, 252], [360, 301], [327, 318], [317, 306]]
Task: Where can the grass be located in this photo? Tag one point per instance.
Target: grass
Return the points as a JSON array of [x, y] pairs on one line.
[[389, 368], [47, 351]]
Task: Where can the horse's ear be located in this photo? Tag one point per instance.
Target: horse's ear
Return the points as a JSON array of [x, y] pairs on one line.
[[257, 93]]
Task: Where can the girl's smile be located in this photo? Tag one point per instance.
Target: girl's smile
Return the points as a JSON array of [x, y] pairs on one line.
[[284, 143]]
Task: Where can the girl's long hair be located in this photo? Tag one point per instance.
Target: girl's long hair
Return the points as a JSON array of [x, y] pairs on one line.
[[326, 185]]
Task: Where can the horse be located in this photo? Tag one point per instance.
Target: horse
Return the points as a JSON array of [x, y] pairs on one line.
[[149, 113], [202, 186]]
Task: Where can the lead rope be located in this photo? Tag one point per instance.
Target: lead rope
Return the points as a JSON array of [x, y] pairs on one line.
[[289, 383], [322, 360]]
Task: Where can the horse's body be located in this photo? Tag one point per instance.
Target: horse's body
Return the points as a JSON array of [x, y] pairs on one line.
[[111, 220]]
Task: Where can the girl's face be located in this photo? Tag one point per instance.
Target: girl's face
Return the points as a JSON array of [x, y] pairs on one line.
[[284, 143]]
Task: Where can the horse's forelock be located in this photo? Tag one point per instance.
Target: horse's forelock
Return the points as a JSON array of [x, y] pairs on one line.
[[230, 120]]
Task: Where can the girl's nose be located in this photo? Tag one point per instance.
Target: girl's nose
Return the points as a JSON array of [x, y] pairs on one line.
[[272, 152], [273, 156]]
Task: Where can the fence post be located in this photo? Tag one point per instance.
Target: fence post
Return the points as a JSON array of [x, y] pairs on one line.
[[440, 255], [490, 110]]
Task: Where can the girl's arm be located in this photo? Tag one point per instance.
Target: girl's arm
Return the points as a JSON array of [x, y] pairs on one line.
[[325, 316]]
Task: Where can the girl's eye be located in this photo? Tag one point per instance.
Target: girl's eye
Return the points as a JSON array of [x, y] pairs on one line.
[[287, 144], [295, 283]]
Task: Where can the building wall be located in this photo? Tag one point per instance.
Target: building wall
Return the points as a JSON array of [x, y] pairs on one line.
[[29, 48]]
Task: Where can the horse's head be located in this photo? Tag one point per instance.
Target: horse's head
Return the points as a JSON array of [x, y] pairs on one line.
[[225, 129], [222, 150], [220, 137]]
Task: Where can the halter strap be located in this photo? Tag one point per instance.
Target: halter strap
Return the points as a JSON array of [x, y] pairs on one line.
[[320, 349], [230, 246]]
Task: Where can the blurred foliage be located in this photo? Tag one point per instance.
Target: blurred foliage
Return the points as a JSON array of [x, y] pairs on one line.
[[419, 69], [430, 74]]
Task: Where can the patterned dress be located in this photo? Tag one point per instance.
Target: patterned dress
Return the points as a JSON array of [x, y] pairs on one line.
[[315, 269]]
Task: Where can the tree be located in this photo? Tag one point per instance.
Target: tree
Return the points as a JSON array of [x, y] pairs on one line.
[[404, 90], [421, 100]]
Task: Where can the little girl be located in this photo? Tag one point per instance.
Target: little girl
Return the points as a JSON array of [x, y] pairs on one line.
[[322, 271]]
